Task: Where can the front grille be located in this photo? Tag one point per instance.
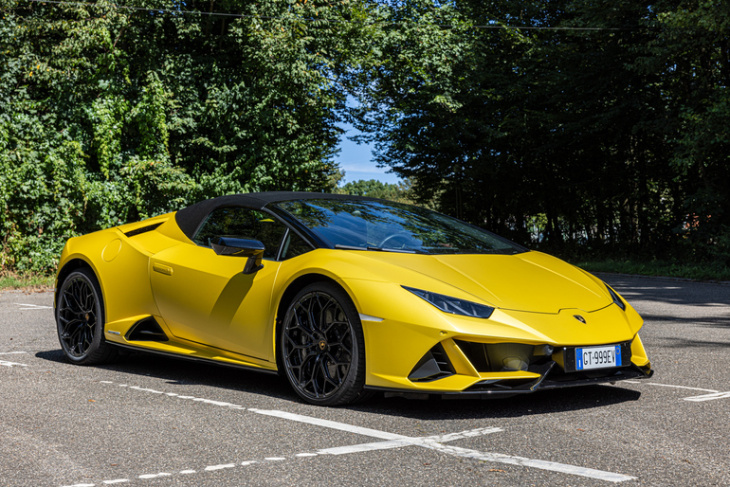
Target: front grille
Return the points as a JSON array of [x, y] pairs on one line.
[[504, 357]]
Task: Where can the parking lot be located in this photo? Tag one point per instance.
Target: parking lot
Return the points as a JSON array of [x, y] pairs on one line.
[[152, 421]]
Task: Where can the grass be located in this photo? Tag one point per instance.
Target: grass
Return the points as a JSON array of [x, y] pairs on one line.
[[26, 281]]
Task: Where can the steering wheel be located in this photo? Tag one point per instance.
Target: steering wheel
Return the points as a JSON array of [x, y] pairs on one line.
[[405, 239]]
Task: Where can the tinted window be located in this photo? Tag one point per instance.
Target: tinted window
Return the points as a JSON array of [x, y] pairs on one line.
[[244, 223], [393, 226], [294, 245]]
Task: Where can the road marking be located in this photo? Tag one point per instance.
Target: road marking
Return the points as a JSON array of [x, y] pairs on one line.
[[713, 394], [668, 385], [220, 467], [406, 441], [155, 475], [31, 307], [359, 430], [435, 443], [172, 394], [393, 440], [5, 363], [709, 397], [116, 481], [12, 353]]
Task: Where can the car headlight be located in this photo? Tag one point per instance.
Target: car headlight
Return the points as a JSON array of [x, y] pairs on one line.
[[452, 305], [616, 298]]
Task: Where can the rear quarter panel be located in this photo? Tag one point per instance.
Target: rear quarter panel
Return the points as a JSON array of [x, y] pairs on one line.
[[121, 265]]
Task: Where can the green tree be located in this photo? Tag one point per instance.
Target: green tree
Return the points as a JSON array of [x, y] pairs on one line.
[[607, 120], [112, 113], [377, 189], [692, 53]]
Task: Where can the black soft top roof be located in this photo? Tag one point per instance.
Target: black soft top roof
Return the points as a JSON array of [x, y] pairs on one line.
[[190, 218]]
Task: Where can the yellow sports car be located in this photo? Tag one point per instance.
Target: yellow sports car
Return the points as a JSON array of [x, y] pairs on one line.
[[344, 295]]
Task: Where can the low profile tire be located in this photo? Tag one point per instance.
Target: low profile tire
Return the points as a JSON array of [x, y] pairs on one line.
[[322, 346], [80, 320]]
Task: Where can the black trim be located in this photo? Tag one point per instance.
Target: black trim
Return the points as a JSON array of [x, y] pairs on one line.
[[192, 359], [434, 365], [190, 218], [503, 389], [141, 230], [146, 330]]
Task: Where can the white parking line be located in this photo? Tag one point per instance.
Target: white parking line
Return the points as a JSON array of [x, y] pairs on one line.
[[643, 383], [393, 440], [435, 443], [709, 397], [219, 467], [5, 363], [427, 442], [31, 307], [12, 353], [713, 394], [154, 475]]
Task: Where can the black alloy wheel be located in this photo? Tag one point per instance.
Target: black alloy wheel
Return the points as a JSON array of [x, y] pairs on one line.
[[80, 319], [322, 346]]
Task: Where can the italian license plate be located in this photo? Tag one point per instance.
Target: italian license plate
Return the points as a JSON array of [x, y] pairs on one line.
[[598, 357]]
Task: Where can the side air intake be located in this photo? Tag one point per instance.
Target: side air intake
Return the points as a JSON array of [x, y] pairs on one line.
[[432, 366], [146, 330]]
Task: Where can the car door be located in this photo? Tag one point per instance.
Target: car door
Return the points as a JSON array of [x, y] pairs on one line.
[[206, 298]]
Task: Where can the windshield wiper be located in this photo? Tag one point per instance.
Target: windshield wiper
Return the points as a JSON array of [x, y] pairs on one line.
[[397, 251], [349, 247], [379, 249]]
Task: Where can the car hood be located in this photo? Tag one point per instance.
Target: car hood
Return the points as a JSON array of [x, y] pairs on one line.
[[530, 281]]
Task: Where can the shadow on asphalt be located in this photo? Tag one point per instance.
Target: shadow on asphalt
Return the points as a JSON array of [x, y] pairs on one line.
[[705, 321], [704, 304], [178, 372], [542, 402], [181, 372], [666, 290]]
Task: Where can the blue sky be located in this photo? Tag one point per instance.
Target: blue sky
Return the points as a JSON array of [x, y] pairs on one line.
[[356, 160]]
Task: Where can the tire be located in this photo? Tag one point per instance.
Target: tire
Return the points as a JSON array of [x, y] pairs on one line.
[[322, 346], [80, 320]]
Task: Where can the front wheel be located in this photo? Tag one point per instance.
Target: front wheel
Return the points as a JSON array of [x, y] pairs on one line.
[[80, 319], [322, 346]]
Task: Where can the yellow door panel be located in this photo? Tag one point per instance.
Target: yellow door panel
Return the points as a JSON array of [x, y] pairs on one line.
[[205, 298]]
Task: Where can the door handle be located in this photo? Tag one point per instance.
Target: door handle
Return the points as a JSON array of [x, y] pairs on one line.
[[162, 269]]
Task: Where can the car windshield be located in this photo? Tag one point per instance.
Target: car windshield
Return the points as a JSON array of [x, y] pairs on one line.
[[382, 225]]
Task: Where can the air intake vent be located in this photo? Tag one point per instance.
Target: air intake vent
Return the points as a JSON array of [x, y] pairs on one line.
[[142, 230], [146, 330], [432, 366]]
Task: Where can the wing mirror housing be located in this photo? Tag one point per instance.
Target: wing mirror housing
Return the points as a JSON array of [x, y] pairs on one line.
[[252, 249]]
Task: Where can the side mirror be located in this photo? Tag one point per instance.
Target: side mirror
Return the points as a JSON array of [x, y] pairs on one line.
[[241, 247]]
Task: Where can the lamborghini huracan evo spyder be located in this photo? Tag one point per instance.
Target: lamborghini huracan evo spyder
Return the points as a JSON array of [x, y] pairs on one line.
[[344, 295]]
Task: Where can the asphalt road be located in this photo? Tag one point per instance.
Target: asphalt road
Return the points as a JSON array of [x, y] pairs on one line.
[[151, 421]]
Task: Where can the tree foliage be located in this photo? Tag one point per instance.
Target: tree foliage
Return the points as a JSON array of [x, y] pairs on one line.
[[586, 125], [600, 126], [377, 189], [113, 113]]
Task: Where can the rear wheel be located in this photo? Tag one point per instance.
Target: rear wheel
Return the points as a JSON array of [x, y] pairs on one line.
[[80, 319], [322, 346]]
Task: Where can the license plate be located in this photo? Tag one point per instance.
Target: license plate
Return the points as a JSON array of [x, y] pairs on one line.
[[598, 357]]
